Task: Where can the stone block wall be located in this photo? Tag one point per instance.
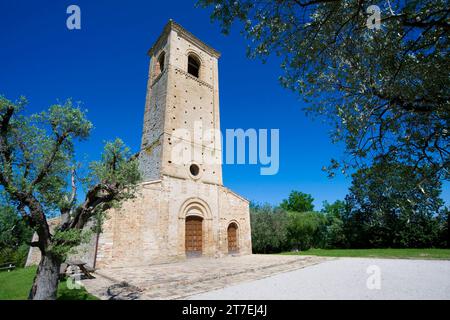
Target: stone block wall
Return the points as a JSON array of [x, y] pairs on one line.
[[85, 252]]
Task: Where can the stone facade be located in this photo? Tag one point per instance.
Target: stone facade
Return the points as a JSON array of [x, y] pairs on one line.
[[151, 228]]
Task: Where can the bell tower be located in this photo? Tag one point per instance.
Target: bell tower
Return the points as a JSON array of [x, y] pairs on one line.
[[181, 136]]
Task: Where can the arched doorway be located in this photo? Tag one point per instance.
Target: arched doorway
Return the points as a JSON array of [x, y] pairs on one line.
[[194, 236], [233, 243]]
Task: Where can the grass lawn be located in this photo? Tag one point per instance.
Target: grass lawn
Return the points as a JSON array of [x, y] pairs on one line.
[[378, 253], [15, 285]]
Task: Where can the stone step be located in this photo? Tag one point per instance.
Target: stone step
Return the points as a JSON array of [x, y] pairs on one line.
[[183, 289], [181, 280]]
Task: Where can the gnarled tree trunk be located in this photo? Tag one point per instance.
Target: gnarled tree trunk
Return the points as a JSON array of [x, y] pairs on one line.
[[45, 283]]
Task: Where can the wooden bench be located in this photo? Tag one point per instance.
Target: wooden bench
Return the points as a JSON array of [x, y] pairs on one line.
[[7, 266]]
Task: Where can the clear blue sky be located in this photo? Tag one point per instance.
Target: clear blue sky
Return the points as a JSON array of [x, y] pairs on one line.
[[105, 66]]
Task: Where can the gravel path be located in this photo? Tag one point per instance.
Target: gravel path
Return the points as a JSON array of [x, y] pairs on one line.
[[348, 278]]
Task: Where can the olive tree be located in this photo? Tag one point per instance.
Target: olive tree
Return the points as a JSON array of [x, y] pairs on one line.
[[382, 83], [38, 176]]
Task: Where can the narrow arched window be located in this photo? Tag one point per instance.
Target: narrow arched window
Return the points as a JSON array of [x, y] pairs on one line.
[[161, 62], [193, 65]]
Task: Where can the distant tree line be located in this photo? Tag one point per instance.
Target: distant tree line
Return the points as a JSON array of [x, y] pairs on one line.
[[387, 206]]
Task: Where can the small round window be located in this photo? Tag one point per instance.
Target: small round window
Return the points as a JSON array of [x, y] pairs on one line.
[[194, 170]]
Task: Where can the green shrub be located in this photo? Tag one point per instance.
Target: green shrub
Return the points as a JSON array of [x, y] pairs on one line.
[[14, 234], [306, 230], [269, 228], [18, 256]]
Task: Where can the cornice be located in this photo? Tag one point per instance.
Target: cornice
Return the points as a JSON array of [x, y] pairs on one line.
[[172, 25]]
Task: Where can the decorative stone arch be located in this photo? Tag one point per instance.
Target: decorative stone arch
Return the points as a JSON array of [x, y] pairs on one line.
[[238, 234], [196, 54], [196, 207], [235, 222]]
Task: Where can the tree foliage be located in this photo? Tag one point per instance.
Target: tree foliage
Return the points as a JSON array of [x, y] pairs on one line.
[[384, 91], [334, 234], [305, 230], [298, 202], [14, 236], [269, 228], [391, 205]]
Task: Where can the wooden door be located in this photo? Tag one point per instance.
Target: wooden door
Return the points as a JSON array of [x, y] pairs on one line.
[[232, 238], [194, 236]]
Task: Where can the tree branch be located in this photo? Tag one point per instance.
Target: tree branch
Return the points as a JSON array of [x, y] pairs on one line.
[[312, 2], [67, 209], [5, 149], [100, 194], [45, 170]]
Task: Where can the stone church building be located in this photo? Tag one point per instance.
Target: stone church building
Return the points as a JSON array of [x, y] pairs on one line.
[[182, 208]]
